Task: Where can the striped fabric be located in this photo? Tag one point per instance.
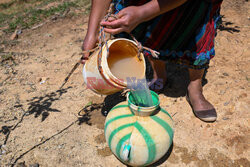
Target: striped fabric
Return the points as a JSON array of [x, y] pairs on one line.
[[184, 35], [148, 138]]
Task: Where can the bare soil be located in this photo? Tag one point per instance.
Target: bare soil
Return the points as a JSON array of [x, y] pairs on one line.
[[41, 124]]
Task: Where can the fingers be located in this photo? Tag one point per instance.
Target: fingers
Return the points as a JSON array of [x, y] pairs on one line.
[[84, 58], [114, 27], [110, 19], [121, 13], [113, 24], [114, 31]]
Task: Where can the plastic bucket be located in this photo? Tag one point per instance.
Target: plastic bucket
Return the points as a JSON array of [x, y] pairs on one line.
[[97, 73]]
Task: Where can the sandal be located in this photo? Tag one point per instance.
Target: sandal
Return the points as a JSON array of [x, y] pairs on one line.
[[204, 115]]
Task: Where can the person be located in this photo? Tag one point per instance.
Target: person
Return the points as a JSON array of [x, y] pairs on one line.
[[183, 31]]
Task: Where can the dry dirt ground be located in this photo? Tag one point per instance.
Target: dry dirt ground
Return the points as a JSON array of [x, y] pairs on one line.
[[42, 125]]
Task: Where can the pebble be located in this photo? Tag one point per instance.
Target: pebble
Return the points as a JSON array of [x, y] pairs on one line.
[[222, 92], [225, 118], [34, 165], [226, 103], [60, 146], [225, 74], [42, 80], [48, 35], [40, 139]]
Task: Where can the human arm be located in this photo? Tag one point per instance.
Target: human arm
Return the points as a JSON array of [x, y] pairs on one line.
[[130, 17], [98, 11]]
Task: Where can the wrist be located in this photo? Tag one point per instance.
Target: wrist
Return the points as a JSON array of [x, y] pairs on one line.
[[145, 13], [142, 13], [93, 30], [91, 35], [149, 10]]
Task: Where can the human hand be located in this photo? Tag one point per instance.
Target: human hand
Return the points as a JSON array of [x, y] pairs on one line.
[[128, 19], [88, 44]]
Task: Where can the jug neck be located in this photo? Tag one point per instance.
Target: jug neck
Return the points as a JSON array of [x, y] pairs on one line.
[[144, 111]]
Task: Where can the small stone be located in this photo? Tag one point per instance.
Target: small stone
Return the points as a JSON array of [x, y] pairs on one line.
[[222, 92], [225, 118], [42, 80], [19, 32], [60, 146], [48, 35], [225, 74], [226, 103], [34, 165], [40, 139]]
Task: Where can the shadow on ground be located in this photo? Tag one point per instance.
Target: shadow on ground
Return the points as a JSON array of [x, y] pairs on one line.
[[95, 113], [162, 160], [177, 80], [228, 26], [42, 105], [38, 106]]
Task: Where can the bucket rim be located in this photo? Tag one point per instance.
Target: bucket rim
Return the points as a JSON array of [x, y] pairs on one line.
[[109, 75]]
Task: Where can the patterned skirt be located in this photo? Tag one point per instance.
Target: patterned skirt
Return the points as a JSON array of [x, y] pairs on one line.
[[184, 35]]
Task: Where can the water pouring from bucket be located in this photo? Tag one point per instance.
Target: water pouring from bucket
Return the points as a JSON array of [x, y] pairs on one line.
[[121, 68], [107, 70], [140, 93]]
